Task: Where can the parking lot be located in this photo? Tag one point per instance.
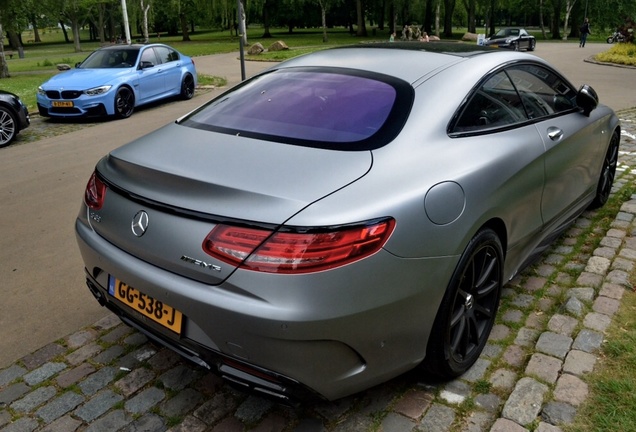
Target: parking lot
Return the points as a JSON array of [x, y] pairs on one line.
[[56, 337]]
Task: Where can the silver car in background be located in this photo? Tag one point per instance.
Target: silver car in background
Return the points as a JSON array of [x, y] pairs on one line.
[[345, 216]]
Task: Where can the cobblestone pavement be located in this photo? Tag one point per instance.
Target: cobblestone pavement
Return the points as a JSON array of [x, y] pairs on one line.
[[108, 377]]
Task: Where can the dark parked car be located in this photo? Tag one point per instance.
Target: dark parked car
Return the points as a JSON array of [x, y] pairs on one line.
[[513, 38], [14, 117], [114, 80], [340, 219]]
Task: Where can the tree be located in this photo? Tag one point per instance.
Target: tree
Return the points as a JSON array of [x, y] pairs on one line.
[[4, 67], [144, 11], [324, 5], [471, 7], [361, 26], [569, 4]]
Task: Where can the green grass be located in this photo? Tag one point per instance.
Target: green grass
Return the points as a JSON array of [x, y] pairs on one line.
[[611, 405]]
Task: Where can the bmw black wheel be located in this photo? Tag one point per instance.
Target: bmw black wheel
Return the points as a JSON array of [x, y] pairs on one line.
[[468, 309], [8, 127], [187, 87], [608, 173], [124, 103]]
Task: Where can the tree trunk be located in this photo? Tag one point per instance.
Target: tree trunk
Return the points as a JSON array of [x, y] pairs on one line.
[[266, 24], [34, 22], [144, 26], [184, 28], [66, 39], [362, 28], [472, 7], [323, 13], [555, 20], [242, 26], [569, 4], [438, 12], [4, 67], [493, 7], [76, 35], [449, 7], [541, 24], [14, 40], [101, 11], [429, 17]]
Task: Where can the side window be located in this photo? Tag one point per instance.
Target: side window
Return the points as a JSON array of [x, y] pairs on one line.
[[166, 55], [149, 56], [495, 104], [543, 93]]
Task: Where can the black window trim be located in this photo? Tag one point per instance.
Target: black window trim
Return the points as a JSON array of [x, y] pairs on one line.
[[495, 129], [405, 96]]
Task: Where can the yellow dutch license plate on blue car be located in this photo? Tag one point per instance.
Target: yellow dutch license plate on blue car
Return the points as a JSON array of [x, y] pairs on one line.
[[154, 309], [62, 104]]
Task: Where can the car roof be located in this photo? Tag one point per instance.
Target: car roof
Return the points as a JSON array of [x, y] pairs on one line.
[[410, 61], [450, 48], [131, 46]]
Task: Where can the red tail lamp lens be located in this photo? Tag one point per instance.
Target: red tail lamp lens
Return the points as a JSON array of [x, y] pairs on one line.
[[95, 192], [296, 252]]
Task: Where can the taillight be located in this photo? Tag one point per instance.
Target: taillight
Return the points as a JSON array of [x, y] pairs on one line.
[[95, 192], [296, 252]]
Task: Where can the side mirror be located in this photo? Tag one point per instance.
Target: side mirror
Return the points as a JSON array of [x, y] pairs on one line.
[[587, 99], [145, 65], [77, 64]]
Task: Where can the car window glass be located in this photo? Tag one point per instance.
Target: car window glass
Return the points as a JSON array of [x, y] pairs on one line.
[[166, 55], [543, 93], [108, 58], [149, 56], [496, 103], [312, 108]]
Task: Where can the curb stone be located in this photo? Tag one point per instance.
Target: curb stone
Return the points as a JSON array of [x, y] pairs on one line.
[[108, 377]]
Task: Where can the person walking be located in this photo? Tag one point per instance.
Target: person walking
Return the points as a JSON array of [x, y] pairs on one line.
[[585, 30]]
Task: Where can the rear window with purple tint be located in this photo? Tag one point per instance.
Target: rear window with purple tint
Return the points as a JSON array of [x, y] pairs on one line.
[[300, 106]]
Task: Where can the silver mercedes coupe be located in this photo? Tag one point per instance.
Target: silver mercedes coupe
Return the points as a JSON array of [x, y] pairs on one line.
[[345, 216]]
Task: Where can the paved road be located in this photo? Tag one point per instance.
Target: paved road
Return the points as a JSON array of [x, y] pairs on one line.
[[41, 184]]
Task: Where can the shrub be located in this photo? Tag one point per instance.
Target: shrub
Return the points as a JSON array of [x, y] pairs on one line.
[[621, 53]]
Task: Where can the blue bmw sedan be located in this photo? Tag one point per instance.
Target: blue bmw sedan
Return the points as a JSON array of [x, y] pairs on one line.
[[114, 80]]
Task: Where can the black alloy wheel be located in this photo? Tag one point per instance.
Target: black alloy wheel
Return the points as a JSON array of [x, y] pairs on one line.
[[124, 103], [187, 87], [8, 127], [469, 308], [608, 173]]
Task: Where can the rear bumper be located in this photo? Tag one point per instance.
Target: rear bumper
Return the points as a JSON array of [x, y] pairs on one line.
[[326, 335], [238, 373]]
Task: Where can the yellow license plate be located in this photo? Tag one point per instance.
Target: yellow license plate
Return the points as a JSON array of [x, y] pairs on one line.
[[157, 311], [62, 104]]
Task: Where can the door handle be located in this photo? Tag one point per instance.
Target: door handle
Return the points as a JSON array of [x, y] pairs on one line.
[[555, 133]]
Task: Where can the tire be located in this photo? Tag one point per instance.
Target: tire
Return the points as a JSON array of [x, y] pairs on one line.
[[124, 103], [515, 46], [8, 127], [608, 173], [187, 87], [610, 40], [468, 309], [531, 45]]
